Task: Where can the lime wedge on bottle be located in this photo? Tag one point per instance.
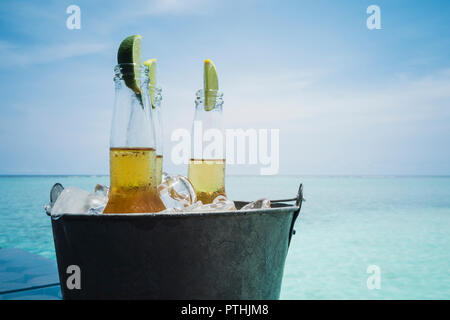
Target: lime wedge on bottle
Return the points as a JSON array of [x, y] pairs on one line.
[[130, 53], [210, 84], [151, 64]]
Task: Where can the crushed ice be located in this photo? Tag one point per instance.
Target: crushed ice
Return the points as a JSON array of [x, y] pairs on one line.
[[176, 192]]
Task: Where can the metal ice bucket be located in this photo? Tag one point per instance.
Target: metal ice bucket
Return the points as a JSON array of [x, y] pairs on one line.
[[214, 255]]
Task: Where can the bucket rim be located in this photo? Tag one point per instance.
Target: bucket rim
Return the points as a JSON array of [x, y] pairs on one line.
[[228, 213]]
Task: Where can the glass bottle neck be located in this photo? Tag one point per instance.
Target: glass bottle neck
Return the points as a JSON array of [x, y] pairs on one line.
[[131, 117], [207, 135], [208, 110], [155, 93], [211, 100]]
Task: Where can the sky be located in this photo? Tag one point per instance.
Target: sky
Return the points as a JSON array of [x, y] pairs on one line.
[[347, 100]]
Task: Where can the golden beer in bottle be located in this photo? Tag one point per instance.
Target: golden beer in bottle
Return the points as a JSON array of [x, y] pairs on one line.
[[208, 178], [206, 170], [132, 147]]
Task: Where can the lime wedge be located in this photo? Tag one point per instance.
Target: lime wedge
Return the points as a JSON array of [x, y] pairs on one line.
[[130, 52], [151, 64], [210, 84]]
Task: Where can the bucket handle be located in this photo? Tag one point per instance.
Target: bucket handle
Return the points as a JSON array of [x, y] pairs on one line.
[[298, 202], [54, 194]]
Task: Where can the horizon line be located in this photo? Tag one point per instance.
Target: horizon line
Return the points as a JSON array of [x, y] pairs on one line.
[[234, 175]]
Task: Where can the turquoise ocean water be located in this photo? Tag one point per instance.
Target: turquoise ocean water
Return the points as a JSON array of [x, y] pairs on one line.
[[400, 224]]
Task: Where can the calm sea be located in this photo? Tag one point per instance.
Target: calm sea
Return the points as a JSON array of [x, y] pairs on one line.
[[399, 224]]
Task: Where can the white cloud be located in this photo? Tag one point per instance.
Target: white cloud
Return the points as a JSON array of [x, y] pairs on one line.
[[26, 55]]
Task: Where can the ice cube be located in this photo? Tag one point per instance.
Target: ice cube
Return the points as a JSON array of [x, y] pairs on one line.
[[220, 203], [72, 200], [176, 192], [101, 190], [48, 208], [98, 209], [178, 195], [54, 194], [258, 204], [194, 207], [164, 177], [98, 200], [75, 201]]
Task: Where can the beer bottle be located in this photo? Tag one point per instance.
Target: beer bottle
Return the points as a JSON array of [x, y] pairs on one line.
[[132, 145], [206, 169]]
